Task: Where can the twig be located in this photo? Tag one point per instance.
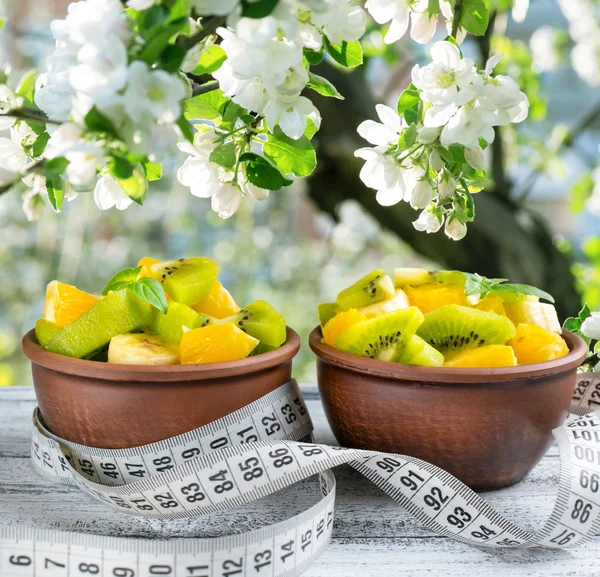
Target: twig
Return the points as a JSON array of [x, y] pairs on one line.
[[456, 18], [205, 88], [30, 114], [208, 27]]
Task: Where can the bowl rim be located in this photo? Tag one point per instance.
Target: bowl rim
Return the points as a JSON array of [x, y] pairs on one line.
[[113, 372], [448, 375]]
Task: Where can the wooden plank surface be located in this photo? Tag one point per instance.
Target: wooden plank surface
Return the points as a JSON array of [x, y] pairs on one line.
[[372, 535]]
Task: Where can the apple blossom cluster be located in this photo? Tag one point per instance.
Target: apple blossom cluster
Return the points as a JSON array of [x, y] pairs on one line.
[[429, 152], [584, 28]]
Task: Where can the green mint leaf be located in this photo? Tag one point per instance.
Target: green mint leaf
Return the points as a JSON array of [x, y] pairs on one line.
[[290, 156], [152, 292], [524, 289], [477, 284], [348, 54], [572, 324], [323, 86], [224, 155], [122, 280], [98, 122], [258, 8], [313, 57], [408, 104], [262, 173], [152, 170], [56, 166], [211, 59], [55, 188], [585, 313], [474, 17]]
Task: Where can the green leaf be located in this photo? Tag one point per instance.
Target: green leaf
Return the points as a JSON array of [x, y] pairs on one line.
[[224, 155], [159, 39], [122, 279], [185, 128], [258, 8], [39, 144], [171, 58], [180, 9], [231, 113], [323, 86], [477, 284], [209, 106], [580, 192], [433, 6], [311, 129], [26, 87], [210, 60], [55, 167], [135, 186], [290, 156], [474, 16], [408, 137], [313, 57], [54, 186], [151, 291], [408, 104], [152, 170], [151, 18], [98, 122], [524, 289], [585, 313], [572, 324], [2, 23], [262, 173], [349, 54], [120, 167]]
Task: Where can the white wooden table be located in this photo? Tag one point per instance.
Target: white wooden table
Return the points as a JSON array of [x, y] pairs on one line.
[[372, 535]]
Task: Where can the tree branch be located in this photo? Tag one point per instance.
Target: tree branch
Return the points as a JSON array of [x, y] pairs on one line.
[[208, 27], [205, 88], [29, 114]]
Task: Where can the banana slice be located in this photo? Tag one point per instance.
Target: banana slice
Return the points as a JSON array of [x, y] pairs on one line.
[[142, 349]]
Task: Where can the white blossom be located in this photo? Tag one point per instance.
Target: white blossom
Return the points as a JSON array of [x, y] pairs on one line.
[[341, 21], [198, 172], [519, 10], [446, 185], [435, 161], [227, 200], [84, 159], [96, 21], [422, 194], [140, 4], [543, 44], [474, 156], [153, 92], [8, 101], [591, 327], [13, 160], [428, 222], [109, 194], [455, 229]]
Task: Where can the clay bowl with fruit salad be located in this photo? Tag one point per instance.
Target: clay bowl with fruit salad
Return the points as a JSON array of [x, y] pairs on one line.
[[135, 366], [426, 366]]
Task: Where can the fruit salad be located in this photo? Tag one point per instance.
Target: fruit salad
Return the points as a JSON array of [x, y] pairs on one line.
[[443, 318], [158, 313]]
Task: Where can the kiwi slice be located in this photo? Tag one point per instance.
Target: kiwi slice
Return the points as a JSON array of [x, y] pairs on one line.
[[418, 352], [261, 321], [170, 326], [419, 276], [370, 289], [383, 337], [45, 331], [326, 312], [452, 329], [117, 313], [187, 280]]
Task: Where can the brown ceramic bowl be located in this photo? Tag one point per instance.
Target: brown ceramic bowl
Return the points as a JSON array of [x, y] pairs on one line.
[[488, 427], [123, 406]]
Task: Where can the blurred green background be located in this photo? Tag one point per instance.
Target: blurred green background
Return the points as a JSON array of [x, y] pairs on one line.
[[302, 246]]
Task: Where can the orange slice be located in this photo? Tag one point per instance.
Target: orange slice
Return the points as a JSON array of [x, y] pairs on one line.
[[339, 324], [492, 304], [65, 303], [433, 296], [216, 344], [484, 357], [533, 344], [146, 263], [219, 304]]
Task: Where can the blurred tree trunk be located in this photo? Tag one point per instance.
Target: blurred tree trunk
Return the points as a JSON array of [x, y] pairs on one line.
[[504, 241]]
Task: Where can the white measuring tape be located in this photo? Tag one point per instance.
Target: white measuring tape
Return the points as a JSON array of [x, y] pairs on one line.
[[255, 452]]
